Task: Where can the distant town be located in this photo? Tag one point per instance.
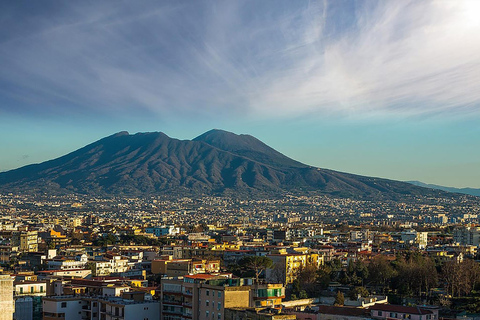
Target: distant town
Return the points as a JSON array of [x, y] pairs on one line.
[[219, 258]]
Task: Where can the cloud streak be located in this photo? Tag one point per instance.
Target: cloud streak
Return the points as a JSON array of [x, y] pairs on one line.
[[392, 58]]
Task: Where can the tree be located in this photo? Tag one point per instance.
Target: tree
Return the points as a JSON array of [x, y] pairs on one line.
[[323, 277], [256, 264], [358, 291], [415, 274], [307, 278], [278, 273], [380, 271], [460, 277], [339, 299]]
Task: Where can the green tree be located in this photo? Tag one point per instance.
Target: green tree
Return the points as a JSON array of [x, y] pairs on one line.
[[380, 271], [358, 291], [323, 277], [339, 299]]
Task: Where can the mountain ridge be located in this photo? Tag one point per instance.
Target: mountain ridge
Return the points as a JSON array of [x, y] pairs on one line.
[[215, 162], [469, 191]]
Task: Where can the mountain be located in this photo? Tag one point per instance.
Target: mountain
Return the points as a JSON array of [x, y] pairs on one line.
[[214, 162], [469, 191]]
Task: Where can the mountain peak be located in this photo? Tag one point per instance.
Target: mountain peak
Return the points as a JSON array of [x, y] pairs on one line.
[[247, 146], [121, 133]]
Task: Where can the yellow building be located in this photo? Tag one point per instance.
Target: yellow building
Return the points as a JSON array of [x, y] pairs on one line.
[[29, 241], [286, 266]]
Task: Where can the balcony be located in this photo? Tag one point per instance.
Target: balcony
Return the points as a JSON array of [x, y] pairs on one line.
[[172, 302]]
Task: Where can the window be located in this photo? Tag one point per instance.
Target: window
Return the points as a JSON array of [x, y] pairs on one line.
[[21, 290], [219, 306], [31, 289], [207, 303], [207, 314], [219, 294], [208, 292], [380, 313], [219, 316], [63, 305], [41, 289]]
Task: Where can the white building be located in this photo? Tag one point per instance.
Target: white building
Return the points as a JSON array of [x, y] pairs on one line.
[[95, 308], [65, 263], [110, 264]]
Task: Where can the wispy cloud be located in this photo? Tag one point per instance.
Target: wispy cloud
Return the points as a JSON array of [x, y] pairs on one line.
[[254, 58]]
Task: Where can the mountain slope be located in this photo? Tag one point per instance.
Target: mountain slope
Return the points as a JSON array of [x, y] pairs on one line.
[[469, 191], [217, 161]]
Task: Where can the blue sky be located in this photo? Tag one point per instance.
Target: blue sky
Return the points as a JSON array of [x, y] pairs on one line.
[[380, 88]]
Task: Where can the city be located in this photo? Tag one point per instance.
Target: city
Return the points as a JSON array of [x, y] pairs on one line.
[[240, 160], [76, 257]]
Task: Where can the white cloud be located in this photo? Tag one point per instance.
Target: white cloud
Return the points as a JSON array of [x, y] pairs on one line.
[[256, 58], [402, 58]]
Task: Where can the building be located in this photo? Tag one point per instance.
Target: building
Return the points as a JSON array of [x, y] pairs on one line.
[[287, 265], [163, 231], [30, 288], [180, 267], [24, 308], [29, 241], [389, 311], [99, 308], [267, 295], [323, 312], [257, 314], [68, 263], [467, 235], [110, 264], [412, 237], [206, 296], [6, 297]]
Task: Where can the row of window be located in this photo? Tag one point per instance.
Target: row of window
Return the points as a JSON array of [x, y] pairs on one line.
[[219, 304], [401, 316], [32, 289], [219, 293], [207, 315]]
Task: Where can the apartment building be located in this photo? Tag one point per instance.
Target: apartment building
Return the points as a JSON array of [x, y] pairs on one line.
[[206, 296], [286, 265], [179, 267], [99, 308], [110, 264]]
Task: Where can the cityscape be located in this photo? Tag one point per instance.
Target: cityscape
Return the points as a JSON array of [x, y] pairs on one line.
[[162, 257], [240, 160]]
